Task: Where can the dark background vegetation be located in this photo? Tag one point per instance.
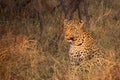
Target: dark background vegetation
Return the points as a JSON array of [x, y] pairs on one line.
[[32, 45]]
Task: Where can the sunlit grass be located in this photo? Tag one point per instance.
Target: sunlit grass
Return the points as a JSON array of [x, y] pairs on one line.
[[25, 55]]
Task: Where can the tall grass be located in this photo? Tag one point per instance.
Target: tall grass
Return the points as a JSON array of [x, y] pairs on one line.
[[25, 55]]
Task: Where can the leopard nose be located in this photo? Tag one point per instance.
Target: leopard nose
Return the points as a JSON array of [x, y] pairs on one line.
[[71, 38]]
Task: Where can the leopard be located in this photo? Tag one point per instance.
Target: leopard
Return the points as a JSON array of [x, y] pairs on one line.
[[83, 47]]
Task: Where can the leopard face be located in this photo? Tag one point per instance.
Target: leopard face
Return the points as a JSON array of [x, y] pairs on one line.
[[72, 31]]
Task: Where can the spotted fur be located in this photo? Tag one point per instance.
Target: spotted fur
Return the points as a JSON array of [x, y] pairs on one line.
[[82, 45]]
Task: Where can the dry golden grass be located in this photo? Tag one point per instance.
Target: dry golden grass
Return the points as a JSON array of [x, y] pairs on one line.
[[24, 58], [24, 55], [18, 58]]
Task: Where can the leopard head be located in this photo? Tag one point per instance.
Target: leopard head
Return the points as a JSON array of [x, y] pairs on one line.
[[73, 31]]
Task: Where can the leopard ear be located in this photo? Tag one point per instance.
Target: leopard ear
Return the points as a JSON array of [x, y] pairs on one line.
[[81, 23], [65, 21]]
